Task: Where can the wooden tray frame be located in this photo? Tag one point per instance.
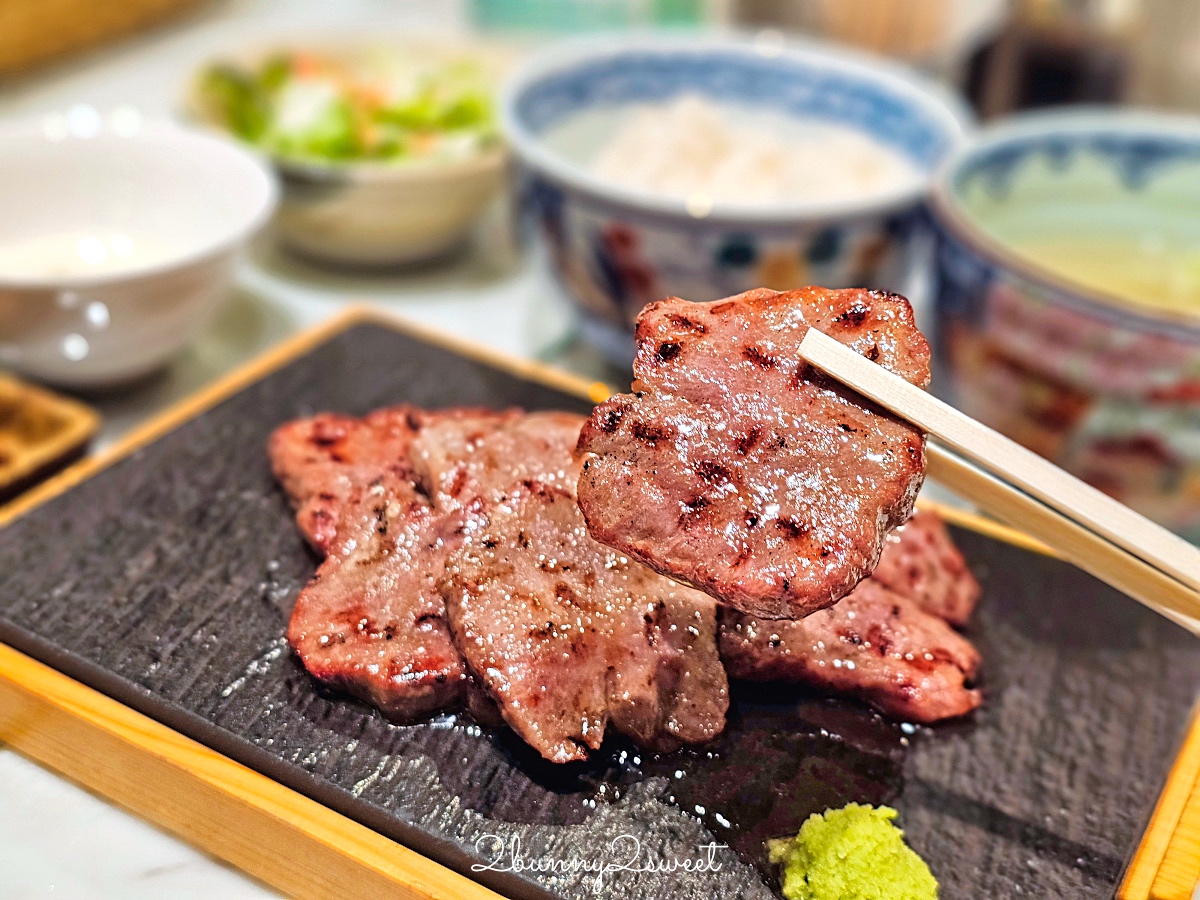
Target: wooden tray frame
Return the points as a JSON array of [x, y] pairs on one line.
[[301, 847]]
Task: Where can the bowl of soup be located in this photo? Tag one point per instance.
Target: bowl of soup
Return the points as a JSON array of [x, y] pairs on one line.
[[702, 167], [1068, 297]]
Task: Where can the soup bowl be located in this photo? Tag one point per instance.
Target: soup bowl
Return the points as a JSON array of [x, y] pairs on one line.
[[615, 248], [1068, 298]]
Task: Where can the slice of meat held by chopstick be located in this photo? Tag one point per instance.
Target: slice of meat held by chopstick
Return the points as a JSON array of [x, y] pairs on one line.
[[570, 635], [874, 644], [736, 468]]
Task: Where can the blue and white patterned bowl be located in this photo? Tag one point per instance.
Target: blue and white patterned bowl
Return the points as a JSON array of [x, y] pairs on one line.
[[1105, 386], [616, 248]]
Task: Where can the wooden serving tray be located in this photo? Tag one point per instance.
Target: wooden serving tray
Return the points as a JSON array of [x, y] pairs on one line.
[[143, 595], [40, 433]]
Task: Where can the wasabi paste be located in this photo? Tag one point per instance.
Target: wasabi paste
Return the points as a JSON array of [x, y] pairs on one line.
[[853, 853]]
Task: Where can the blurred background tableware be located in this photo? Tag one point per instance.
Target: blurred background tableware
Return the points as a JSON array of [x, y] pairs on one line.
[[40, 433], [1069, 297], [936, 34], [617, 243], [530, 16], [389, 150], [117, 241], [38, 32]]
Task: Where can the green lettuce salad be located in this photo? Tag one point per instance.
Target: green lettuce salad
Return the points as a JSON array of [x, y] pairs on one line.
[[382, 107]]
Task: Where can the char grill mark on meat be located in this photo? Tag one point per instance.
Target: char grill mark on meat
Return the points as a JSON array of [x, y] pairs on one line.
[[325, 461], [569, 636], [873, 644], [920, 561], [458, 459], [736, 468], [931, 583], [371, 621]]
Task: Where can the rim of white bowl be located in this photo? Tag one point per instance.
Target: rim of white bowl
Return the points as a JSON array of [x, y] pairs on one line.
[[950, 214], [254, 221], [941, 102]]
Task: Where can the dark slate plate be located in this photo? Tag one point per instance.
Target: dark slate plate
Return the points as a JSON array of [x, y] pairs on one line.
[[167, 579]]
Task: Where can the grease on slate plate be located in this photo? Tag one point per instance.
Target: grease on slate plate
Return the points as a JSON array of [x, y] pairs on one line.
[[783, 757]]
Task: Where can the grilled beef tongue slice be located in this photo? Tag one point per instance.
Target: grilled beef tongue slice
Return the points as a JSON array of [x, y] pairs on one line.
[[459, 458], [920, 562], [874, 644], [566, 635], [371, 620], [735, 468], [325, 461], [569, 635]]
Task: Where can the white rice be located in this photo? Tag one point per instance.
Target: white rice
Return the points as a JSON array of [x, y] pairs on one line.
[[693, 149]]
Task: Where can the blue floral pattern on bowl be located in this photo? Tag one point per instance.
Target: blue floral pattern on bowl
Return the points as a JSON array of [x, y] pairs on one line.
[[615, 250], [1106, 390]]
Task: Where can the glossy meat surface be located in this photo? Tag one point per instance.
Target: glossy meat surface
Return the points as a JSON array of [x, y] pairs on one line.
[[460, 458], [570, 636], [371, 621], [919, 561], [737, 469], [873, 644], [324, 462]]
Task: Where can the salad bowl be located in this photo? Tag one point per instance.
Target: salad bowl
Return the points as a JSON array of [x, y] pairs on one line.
[[387, 148]]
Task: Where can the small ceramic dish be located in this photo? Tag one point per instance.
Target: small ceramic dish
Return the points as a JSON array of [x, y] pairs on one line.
[[1049, 332], [616, 248], [368, 212], [117, 241]]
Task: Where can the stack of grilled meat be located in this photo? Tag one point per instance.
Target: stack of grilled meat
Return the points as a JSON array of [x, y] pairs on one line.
[[735, 514]]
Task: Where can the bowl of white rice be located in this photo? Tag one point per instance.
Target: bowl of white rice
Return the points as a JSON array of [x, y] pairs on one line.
[[702, 167]]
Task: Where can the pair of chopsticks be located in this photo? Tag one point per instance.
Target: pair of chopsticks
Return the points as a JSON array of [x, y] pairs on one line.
[[1020, 488]]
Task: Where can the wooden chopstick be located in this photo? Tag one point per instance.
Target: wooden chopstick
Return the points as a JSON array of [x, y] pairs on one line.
[[1076, 544], [1116, 532]]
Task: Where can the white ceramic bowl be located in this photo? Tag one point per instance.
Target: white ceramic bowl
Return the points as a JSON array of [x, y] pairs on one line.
[[189, 199], [378, 214]]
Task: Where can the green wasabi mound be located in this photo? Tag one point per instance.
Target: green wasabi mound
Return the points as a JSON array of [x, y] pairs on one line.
[[852, 853]]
